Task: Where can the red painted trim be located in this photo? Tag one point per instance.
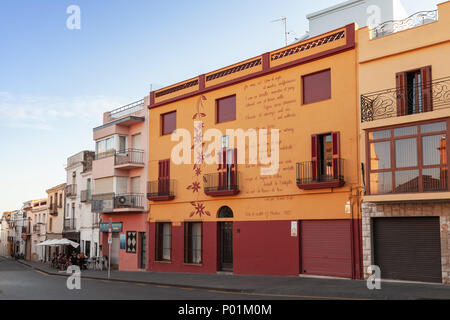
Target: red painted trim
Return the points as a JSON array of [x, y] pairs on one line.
[[350, 36], [220, 193], [266, 61], [321, 185], [161, 198], [152, 98], [201, 82]]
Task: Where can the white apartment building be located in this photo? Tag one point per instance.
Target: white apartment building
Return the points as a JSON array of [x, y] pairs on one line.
[[4, 234], [80, 223], [39, 211]]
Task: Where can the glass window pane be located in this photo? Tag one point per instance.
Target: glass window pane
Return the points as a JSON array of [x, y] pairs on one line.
[[433, 127], [434, 150], [406, 153], [379, 134], [380, 182], [434, 179], [380, 155], [406, 131], [407, 181]]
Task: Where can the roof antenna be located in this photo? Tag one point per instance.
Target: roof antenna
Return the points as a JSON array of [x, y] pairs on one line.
[[284, 21]]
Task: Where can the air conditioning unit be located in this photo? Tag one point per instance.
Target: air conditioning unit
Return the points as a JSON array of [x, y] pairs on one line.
[[126, 201]]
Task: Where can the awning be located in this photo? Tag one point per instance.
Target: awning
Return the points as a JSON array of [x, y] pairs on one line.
[[67, 242], [59, 242]]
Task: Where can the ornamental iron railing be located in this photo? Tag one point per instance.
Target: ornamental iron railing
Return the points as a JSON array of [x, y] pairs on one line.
[[309, 172], [384, 104], [417, 19]]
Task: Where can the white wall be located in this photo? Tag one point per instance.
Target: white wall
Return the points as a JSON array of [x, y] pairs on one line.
[[362, 12], [83, 214]]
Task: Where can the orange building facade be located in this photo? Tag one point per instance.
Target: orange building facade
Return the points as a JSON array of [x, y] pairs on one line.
[[285, 200], [404, 83]]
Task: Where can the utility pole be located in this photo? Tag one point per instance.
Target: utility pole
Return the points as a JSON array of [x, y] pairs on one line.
[[284, 21]]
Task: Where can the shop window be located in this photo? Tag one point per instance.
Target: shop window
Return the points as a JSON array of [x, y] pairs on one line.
[[193, 242], [163, 241]]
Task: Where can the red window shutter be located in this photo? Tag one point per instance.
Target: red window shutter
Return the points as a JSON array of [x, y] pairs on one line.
[[234, 168], [401, 93], [168, 122], [314, 153], [316, 86], [163, 176], [427, 92], [223, 173], [336, 155], [226, 109]]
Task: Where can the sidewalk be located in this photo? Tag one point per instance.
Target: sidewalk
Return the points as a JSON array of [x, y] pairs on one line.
[[268, 285]]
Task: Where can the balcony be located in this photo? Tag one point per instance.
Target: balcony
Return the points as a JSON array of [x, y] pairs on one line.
[[53, 209], [417, 19], [117, 202], [95, 219], [312, 175], [126, 110], [69, 224], [221, 183], [85, 196], [37, 228], [396, 102], [160, 190], [71, 190], [129, 201], [129, 159]]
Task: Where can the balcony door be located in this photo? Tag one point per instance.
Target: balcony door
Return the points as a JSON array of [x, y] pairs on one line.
[[414, 91], [325, 156], [164, 177], [228, 169]]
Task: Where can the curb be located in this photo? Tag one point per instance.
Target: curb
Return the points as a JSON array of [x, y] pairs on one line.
[[141, 282]]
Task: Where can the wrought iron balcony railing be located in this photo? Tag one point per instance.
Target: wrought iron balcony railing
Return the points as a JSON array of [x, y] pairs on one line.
[[415, 20], [126, 110], [37, 228], [69, 224], [85, 196], [53, 209], [315, 175], [95, 219], [221, 183], [160, 190], [129, 156], [386, 103], [71, 190]]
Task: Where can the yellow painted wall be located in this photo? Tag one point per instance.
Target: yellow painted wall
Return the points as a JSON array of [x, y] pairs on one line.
[[381, 58], [277, 104]]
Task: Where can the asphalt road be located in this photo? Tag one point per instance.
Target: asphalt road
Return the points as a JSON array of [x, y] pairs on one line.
[[21, 282]]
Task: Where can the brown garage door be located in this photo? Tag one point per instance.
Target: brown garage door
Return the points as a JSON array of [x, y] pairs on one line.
[[408, 248], [326, 248]]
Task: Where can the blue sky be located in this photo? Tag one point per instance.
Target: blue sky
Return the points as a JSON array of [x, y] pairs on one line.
[[55, 83]]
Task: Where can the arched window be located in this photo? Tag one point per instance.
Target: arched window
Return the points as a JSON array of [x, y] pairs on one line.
[[225, 212]]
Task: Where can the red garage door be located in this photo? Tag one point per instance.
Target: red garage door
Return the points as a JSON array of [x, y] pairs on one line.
[[326, 248]]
